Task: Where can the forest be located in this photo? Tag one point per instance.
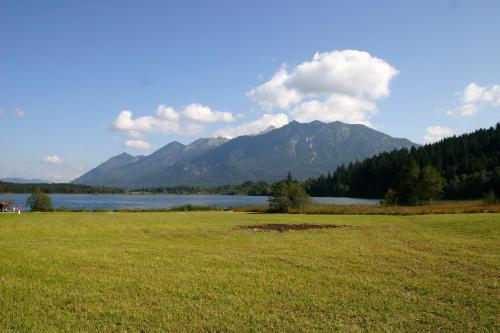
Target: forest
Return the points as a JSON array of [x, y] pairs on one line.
[[469, 164], [246, 188], [62, 188]]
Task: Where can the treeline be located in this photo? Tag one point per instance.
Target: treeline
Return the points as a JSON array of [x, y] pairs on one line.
[[64, 188], [247, 188], [469, 164]]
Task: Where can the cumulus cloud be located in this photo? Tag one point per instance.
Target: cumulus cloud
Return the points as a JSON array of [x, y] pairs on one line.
[[147, 124], [19, 112], [436, 133], [204, 114], [137, 144], [334, 109], [52, 159], [167, 113], [331, 86], [254, 127], [474, 97], [167, 120], [274, 93], [339, 85]]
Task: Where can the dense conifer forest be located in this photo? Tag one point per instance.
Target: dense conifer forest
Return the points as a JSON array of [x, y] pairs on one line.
[[470, 165]]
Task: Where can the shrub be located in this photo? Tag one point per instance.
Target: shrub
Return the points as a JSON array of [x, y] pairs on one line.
[[489, 198], [194, 208], [39, 201], [287, 195], [391, 198]]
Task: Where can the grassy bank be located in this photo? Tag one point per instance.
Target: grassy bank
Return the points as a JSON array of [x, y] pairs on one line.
[[459, 207], [195, 271]]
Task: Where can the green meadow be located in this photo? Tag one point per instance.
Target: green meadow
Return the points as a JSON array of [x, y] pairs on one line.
[[201, 271]]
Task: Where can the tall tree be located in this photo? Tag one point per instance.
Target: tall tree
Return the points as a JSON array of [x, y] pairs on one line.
[[39, 201], [430, 184]]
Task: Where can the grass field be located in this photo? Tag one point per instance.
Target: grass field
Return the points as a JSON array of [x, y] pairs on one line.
[[151, 272]]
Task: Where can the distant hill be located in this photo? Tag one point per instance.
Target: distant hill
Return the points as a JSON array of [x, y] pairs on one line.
[[63, 188], [24, 181], [306, 150]]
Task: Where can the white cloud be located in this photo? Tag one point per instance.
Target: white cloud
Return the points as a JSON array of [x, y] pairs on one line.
[[167, 112], [350, 72], [474, 97], [334, 109], [473, 93], [52, 159], [169, 121], [147, 124], [464, 110], [254, 127], [204, 114], [436, 133], [274, 93], [20, 113], [134, 133], [137, 144], [337, 85], [495, 95]]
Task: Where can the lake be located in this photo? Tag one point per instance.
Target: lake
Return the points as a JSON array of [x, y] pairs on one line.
[[117, 201]]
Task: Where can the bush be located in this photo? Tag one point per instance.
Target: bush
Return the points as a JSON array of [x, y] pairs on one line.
[[391, 198], [39, 201], [489, 198], [287, 195], [194, 208]]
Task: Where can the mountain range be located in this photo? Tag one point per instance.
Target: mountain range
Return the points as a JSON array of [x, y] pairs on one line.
[[304, 149], [24, 181]]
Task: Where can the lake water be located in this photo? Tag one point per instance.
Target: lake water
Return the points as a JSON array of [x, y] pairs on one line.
[[116, 201]]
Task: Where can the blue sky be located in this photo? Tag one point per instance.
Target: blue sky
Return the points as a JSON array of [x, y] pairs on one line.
[[81, 81]]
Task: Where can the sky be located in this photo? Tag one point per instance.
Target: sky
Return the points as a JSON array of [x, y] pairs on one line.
[[81, 81]]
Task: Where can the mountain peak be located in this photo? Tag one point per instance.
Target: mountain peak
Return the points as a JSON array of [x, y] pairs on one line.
[[123, 155], [267, 130], [175, 144]]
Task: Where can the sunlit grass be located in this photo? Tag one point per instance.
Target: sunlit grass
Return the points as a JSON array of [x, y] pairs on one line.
[[200, 271]]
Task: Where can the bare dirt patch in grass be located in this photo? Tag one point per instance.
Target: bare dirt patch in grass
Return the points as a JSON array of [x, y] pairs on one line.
[[287, 227]]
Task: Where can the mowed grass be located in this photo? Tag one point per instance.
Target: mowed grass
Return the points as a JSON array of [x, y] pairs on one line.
[[199, 271]]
